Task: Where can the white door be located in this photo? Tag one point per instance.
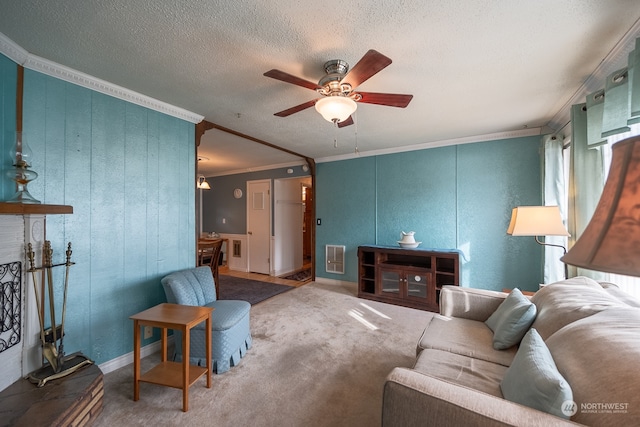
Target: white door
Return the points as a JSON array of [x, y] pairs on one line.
[[259, 225]]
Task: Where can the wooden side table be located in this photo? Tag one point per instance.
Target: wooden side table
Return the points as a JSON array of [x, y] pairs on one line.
[[167, 373]]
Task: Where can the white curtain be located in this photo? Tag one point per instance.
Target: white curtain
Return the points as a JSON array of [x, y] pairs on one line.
[[586, 180], [554, 195]]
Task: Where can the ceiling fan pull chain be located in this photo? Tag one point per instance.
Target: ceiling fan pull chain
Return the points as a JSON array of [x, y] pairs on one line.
[[335, 134]]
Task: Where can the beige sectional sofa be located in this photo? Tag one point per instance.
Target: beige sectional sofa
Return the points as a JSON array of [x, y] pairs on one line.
[[591, 329]]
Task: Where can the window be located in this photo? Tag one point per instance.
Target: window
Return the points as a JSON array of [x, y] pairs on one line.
[[629, 284]]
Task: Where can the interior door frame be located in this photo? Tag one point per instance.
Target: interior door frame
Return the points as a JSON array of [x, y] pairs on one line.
[[286, 200], [205, 125]]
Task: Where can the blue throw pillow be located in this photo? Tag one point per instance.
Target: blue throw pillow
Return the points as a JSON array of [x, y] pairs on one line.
[[511, 320], [533, 379]]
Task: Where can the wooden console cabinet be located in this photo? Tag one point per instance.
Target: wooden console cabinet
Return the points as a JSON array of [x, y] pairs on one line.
[[408, 277]]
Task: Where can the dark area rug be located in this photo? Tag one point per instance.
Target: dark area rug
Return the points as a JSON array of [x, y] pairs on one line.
[[300, 276], [252, 291]]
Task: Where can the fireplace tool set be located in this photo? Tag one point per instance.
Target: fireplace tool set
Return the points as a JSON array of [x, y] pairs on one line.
[[52, 338]]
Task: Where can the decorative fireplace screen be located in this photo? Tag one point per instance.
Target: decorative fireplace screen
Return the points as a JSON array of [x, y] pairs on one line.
[[10, 297]]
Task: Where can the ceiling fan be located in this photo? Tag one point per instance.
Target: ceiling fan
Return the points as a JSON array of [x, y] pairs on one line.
[[338, 89]]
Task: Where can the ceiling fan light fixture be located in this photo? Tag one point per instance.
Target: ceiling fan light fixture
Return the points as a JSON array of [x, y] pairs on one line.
[[336, 109]]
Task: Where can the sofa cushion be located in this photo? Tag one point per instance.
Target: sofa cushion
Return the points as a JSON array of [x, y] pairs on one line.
[[598, 356], [533, 379], [614, 290], [462, 370], [465, 337], [511, 320], [562, 303], [469, 303], [580, 281]]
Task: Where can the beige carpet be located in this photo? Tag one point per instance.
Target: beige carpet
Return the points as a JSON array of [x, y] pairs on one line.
[[319, 358]]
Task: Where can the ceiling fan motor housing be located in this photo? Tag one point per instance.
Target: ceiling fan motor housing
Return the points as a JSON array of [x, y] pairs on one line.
[[330, 84]]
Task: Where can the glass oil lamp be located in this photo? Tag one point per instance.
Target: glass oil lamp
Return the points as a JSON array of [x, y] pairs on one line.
[[21, 156]]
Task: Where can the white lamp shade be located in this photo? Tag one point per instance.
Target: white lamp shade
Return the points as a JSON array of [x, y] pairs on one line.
[[336, 108], [536, 221], [202, 183]]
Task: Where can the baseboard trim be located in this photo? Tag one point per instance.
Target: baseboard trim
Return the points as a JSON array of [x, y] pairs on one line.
[[127, 359]]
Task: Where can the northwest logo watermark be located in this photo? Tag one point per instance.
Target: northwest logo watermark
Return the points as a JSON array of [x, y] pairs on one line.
[[570, 408]]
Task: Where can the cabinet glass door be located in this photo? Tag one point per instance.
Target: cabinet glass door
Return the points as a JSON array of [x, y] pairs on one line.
[[417, 285], [391, 282]]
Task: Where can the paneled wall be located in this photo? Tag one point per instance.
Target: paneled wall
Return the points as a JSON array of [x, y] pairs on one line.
[[8, 79], [452, 197], [129, 174]]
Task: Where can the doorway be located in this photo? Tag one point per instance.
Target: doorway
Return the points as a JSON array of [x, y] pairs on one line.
[[213, 141], [307, 199], [292, 225]]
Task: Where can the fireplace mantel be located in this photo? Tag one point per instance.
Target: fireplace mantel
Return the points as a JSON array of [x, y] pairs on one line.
[[33, 209]]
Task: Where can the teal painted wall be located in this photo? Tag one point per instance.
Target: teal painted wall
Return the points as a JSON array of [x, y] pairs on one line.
[[8, 80], [493, 178], [346, 202], [452, 197], [129, 174]]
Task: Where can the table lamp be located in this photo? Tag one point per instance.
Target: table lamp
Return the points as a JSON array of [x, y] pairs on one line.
[[538, 221]]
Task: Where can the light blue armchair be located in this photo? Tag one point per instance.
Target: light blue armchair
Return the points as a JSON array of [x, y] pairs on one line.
[[230, 332]]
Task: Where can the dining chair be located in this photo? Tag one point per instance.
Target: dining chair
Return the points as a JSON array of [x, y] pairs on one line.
[[209, 252]]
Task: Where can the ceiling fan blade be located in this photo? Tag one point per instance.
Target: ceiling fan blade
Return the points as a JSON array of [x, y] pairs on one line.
[[288, 78], [371, 63], [297, 108], [388, 99], [347, 122]]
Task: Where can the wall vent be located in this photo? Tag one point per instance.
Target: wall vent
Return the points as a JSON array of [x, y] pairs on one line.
[[335, 258]]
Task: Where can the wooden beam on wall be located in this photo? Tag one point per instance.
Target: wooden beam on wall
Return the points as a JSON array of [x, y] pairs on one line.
[[201, 128], [251, 138], [19, 97]]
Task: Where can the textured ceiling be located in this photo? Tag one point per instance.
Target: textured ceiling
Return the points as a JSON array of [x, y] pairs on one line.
[[475, 67]]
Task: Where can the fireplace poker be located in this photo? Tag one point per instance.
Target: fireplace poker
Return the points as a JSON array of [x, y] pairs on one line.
[[48, 255], [47, 352], [64, 302]]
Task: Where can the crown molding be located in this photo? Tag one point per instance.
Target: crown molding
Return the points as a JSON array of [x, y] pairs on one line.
[[435, 144], [17, 54], [616, 59], [12, 51]]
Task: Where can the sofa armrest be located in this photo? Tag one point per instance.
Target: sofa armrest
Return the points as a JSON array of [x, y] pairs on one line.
[[469, 303], [411, 399]]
